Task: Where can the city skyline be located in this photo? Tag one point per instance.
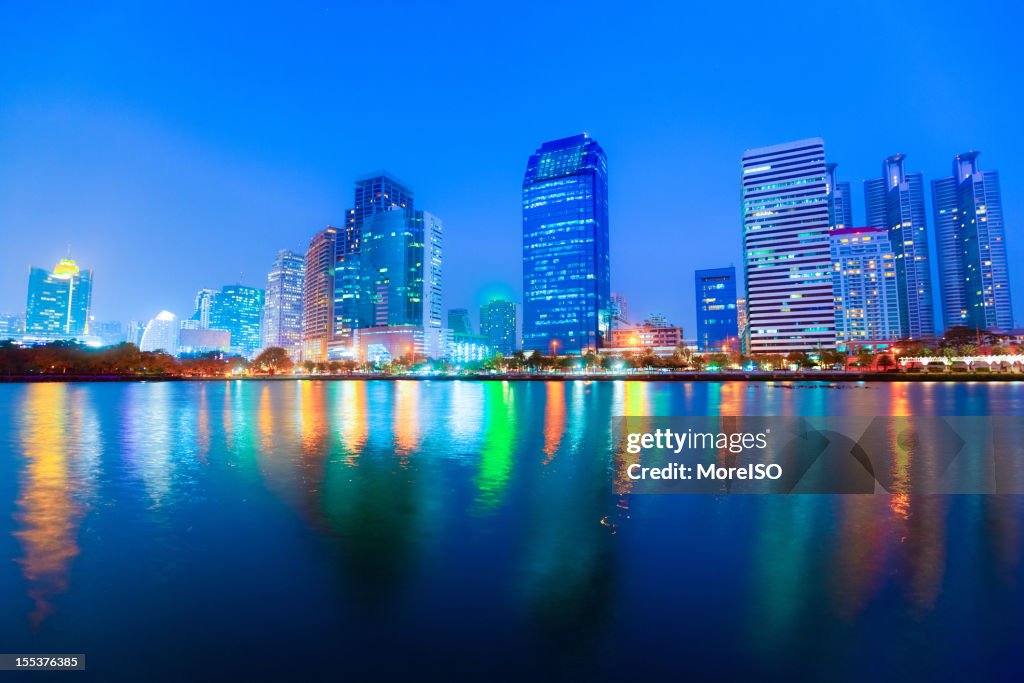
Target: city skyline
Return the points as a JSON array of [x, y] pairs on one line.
[[76, 147]]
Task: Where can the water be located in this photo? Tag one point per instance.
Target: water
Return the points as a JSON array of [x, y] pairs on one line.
[[382, 530]]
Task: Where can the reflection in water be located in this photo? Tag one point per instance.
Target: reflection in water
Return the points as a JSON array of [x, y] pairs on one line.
[[406, 416], [499, 435], [483, 508], [149, 436], [353, 419], [59, 441], [554, 419]]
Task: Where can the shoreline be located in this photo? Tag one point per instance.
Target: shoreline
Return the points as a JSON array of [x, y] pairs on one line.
[[845, 377]]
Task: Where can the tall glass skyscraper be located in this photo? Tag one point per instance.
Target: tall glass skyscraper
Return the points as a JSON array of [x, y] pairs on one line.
[[374, 195], [974, 275], [864, 285], [498, 325], [717, 326], [239, 310], [282, 306], [786, 221], [895, 202], [400, 259], [566, 280], [318, 295], [58, 301]]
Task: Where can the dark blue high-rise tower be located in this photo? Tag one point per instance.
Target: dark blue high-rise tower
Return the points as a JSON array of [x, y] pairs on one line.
[[974, 272], [566, 284], [895, 202], [717, 328]]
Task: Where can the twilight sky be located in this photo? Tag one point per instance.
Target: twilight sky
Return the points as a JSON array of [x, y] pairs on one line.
[[180, 146]]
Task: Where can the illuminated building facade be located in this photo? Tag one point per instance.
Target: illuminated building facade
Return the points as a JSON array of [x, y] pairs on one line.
[[717, 322], [318, 295], [498, 324], [566, 282], [161, 334], [282, 306], [895, 202], [201, 314], [374, 195], [787, 261], [394, 342], [864, 286], [646, 336], [58, 301], [239, 310], [974, 275]]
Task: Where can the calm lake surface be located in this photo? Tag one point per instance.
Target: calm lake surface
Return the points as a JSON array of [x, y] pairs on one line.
[[382, 530]]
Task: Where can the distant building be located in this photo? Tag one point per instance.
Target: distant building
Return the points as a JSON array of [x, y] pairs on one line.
[[458, 321], [498, 321], [201, 313], [619, 310], [11, 326], [198, 340], [239, 310], [840, 201], [393, 342], [864, 285], [468, 348], [107, 333], [282, 305], [974, 274], [58, 301], [134, 332], [566, 290], [161, 334], [318, 295], [895, 202], [717, 321], [742, 325], [646, 336], [787, 262]]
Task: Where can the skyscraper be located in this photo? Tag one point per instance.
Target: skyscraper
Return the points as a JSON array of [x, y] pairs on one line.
[[400, 259], [895, 202], [318, 295], [458, 321], [498, 325], [566, 282], [239, 309], [58, 301], [788, 267], [376, 194], [864, 285], [840, 201], [974, 275], [282, 307], [717, 324], [201, 313]]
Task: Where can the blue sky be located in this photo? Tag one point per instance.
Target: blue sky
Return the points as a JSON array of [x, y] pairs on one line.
[[179, 146]]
